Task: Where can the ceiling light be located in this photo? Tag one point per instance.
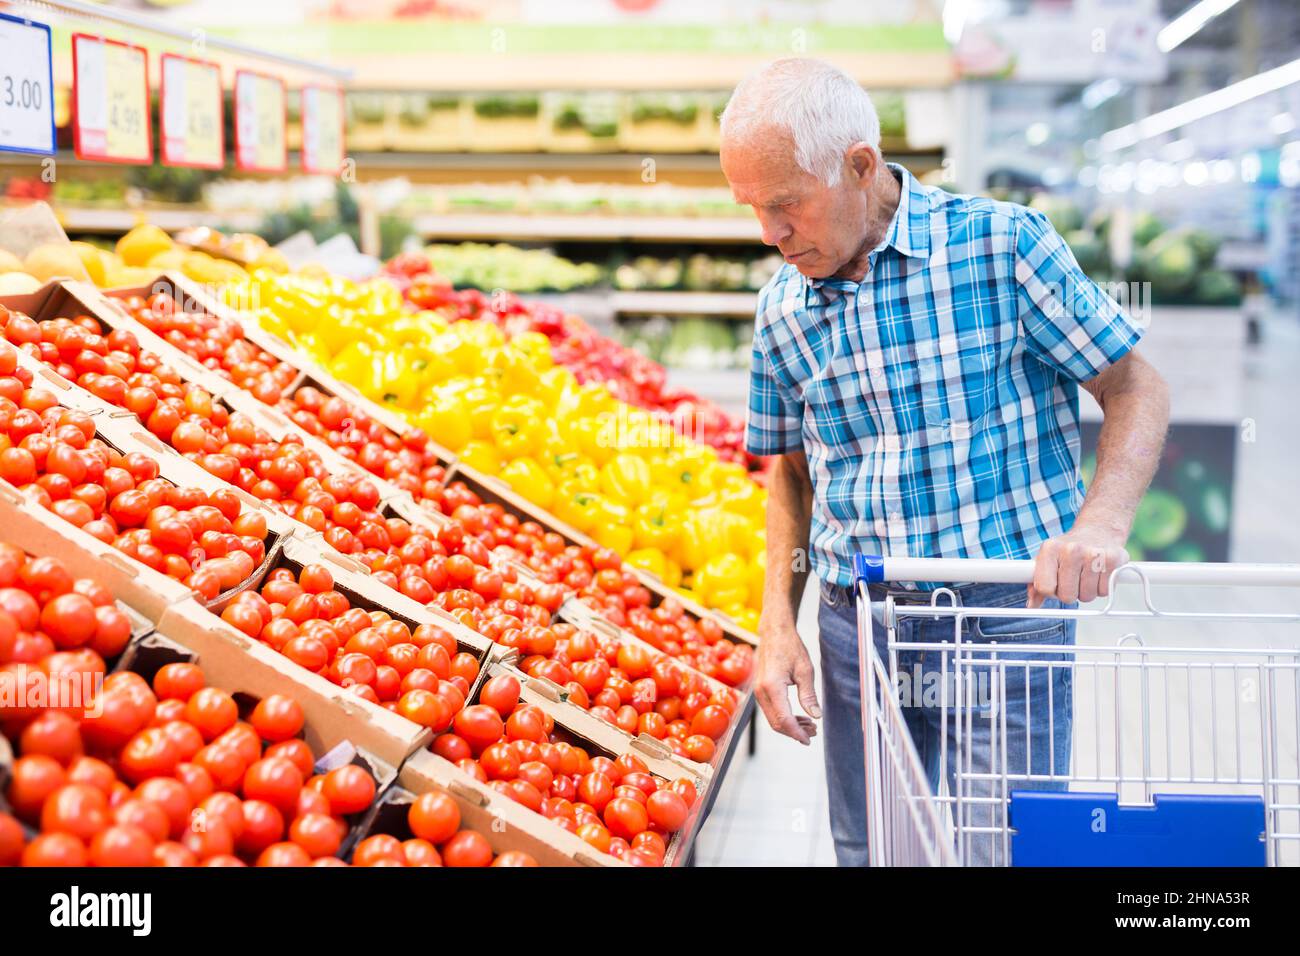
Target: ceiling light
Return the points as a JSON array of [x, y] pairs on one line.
[[1202, 106], [1190, 21]]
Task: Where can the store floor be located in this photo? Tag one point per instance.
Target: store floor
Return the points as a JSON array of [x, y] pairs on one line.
[[771, 810]]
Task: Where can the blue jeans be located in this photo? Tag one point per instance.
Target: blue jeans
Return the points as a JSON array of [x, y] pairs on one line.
[[1030, 728]]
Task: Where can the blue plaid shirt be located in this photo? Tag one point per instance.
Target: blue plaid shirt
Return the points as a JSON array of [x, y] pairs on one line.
[[937, 400]]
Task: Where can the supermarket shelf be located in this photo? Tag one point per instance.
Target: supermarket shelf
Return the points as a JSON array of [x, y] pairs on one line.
[[740, 304], [116, 221], [605, 228]]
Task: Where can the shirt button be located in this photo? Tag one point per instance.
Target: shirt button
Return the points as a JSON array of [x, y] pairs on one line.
[[881, 528]]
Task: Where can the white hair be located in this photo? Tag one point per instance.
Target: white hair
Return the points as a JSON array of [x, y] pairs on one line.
[[824, 110]]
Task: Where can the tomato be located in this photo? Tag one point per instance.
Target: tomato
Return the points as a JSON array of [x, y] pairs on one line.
[[625, 818], [466, 849], [667, 810], [451, 747], [54, 734], [178, 681], [500, 762], [419, 852], [262, 826], [122, 845], [277, 717], [376, 849], [75, 808], [480, 726], [349, 789], [55, 849], [318, 834], [711, 721], [212, 711], [284, 855], [699, 748], [11, 840], [296, 752], [596, 789], [275, 780], [501, 693], [425, 707], [596, 835], [527, 723], [434, 816], [174, 799], [514, 858], [169, 853], [33, 779]]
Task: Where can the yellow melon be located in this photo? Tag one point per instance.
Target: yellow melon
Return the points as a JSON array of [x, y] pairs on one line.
[[55, 260], [142, 243]]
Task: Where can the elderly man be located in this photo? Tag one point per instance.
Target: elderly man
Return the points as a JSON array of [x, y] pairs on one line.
[[916, 369]]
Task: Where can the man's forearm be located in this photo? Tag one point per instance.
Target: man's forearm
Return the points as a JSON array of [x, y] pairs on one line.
[[789, 514], [1135, 409]]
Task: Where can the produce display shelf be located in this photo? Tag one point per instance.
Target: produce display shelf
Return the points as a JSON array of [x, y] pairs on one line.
[[76, 219], [738, 304], [508, 226]]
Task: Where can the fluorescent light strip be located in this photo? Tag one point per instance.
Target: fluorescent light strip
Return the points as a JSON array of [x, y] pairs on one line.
[[1202, 106], [1190, 21]]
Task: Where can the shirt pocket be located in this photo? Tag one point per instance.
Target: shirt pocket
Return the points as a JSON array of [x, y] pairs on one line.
[[956, 375]]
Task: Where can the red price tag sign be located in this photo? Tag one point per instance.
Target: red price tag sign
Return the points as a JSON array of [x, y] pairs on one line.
[[322, 129], [260, 117], [192, 133], [111, 92]]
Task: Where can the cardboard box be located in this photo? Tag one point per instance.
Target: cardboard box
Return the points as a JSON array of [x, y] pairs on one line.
[[195, 298], [506, 824], [493, 490], [596, 738], [333, 713], [553, 699], [325, 732], [365, 592], [71, 299], [40, 532]]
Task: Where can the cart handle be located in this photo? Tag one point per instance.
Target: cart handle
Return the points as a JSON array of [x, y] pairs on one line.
[[876, 569]]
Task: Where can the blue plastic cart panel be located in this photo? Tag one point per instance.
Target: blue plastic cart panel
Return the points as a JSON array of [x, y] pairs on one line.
[[1092, 829]]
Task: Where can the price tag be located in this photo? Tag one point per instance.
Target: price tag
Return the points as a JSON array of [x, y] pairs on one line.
[[26, 87], [111, 90], [259, 123], [192, 134], [322, 129]]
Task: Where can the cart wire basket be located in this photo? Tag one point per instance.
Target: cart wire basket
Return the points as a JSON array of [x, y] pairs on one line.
[[1135, 750]]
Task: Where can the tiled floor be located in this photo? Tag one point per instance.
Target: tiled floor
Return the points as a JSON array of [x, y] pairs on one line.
[[772, 806]]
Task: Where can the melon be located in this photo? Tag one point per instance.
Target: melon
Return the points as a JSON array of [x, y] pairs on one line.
[[55, 260]]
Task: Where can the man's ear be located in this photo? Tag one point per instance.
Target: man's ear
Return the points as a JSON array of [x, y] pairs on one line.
[[863, 160]]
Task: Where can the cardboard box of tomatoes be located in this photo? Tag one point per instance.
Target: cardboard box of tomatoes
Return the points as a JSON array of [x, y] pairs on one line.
[[193, 297]]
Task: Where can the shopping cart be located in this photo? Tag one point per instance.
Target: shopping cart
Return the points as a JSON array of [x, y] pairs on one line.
[[1181, 752]]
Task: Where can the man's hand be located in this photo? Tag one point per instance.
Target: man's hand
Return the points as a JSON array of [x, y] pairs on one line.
[[783, 661], [1076, 566]]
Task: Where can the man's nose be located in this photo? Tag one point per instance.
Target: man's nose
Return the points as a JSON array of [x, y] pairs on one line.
[[775, 229]]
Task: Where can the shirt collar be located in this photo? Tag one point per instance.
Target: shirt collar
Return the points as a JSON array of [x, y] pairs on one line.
[[908, 232]]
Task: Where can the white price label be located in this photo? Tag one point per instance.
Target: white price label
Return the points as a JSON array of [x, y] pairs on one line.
[[260, 143], [26, 87], [322, 129], [111, 89], [191, 113]]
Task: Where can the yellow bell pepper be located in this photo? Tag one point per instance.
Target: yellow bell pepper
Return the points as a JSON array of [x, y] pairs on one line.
[[655, 527], [481, 405], [648, 559], [722, 581], [626, 478], [526, 477], [576, 507], [446, 424], [586, 432], [672, 573], [703, 535], [518, 427], [613, 528], [481, 456]]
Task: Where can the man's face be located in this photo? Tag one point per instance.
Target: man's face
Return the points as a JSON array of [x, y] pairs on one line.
[[817, 228]]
